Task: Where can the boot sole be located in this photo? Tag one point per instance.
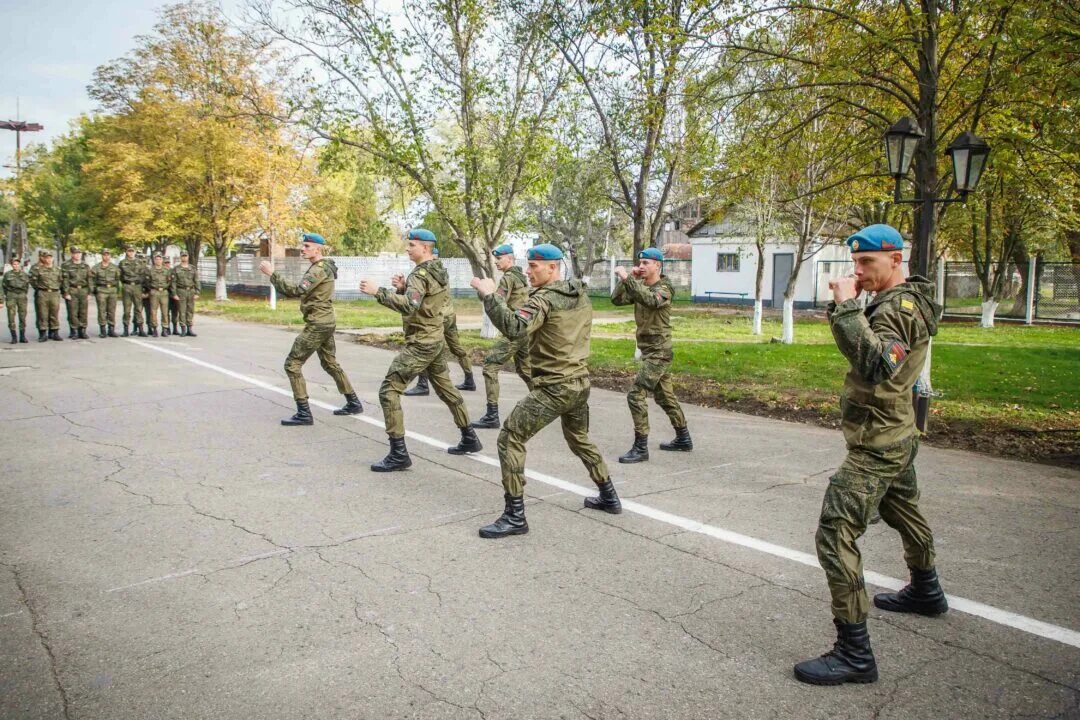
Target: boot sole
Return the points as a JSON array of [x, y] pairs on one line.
[[860, 679], [459, 451], [496, 536], [909, 611], [633, 461], [676, 449], [288, 423], [476, 426], [604, 508], [349, 412], [376, 468]]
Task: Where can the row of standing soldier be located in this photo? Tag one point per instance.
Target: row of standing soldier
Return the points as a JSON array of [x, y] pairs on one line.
[[547, 331], [166, 294]]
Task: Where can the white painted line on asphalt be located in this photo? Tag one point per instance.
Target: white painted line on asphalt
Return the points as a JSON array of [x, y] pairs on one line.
[[1007, 618]]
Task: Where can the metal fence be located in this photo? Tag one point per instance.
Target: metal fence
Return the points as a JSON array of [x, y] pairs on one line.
[[602, 277], [1054, 294]]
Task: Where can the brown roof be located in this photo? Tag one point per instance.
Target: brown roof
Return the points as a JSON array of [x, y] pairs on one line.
[[678, 251]]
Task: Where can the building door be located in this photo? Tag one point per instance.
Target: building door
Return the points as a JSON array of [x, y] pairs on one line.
[[782, 263]]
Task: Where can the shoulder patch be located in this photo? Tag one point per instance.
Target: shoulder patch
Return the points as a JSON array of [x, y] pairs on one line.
[[907, 306], [421, 272], [895, 354], [525, 314]]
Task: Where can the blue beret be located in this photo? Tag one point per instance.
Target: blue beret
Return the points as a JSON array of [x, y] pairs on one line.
[[876, 237], [422, 234], [504, 249], [545, 251], [314, 238], [651, 254]]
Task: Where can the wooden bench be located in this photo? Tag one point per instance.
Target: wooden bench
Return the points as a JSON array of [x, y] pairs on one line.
[[710, 293]]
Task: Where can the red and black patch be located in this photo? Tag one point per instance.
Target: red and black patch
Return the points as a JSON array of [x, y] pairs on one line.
[[525, 314], [895, 355]]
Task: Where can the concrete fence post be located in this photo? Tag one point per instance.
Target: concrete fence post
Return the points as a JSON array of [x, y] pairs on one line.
[[1029, 313]]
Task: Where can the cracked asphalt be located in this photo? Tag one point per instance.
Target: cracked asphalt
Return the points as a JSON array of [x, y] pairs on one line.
[[168, 550]]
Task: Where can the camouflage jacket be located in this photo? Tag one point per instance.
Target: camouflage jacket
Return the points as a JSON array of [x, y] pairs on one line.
[[74, 276], [652, 313], [132, 272], [45, 278], [15, 283], [886, 346], [422, 303], [157, 278], [513, 288], [184, 279], [315, 290], [104, 278], [557, 318]]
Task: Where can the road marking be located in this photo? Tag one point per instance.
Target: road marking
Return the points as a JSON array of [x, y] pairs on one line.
[[1007, 618]]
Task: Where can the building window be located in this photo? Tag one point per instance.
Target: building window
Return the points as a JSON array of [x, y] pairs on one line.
[[727, 262]]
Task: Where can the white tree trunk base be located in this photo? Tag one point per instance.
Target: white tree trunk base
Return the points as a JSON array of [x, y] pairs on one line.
[[989, 308], [788, 335], [220, 291], [757, 317], [487, 329]]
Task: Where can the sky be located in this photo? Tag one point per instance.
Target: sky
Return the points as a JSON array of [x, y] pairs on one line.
[[48, 52]]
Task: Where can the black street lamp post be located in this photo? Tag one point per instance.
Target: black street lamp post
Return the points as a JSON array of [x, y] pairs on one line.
[[968, 153]]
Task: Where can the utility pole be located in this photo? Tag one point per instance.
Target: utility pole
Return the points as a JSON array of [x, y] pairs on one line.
[[15, 228]]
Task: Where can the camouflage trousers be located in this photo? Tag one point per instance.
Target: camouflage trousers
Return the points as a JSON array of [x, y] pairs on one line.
[[185, 307], [568, 401], [77, 307], [106, 307], [502, 352], [315, 339], [417, 358], [16, 306], [654, 377], [453, 344], [47, 309], [133, 305], [868, 480], [159, 304]]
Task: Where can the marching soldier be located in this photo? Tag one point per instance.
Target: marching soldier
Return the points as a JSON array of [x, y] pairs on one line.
[[46, 280], [420, 299], [75, 287], [513, 288], [132, 271], [184, 288], [13, 291], [557, 320], [316, 293], [454, 349], [650, 292], [104, 282], [886, 346], [156, 283]]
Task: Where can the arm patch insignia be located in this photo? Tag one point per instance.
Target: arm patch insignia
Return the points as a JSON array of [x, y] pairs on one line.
[[907, 306], [895, 354], [415, 296], [305, 284], [525, 314]]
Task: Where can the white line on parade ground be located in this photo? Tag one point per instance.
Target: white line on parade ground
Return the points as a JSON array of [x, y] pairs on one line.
[[971, 607]]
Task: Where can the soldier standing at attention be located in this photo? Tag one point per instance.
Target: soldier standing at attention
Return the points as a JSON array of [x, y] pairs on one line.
[[513, 289], [316, 293], [650, 292], [420, 299], [132, 271], [104, 280], [13, 291], [886, 346], [174, 307], [75, 287], [46, 280], [185, 285], [157, 284], [557, 320]]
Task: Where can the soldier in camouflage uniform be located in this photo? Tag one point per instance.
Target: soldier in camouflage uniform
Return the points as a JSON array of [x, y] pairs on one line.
[[513, 288], [453, 349], [132, 275], [420, 299], [316, 293], [75, 287], [156, 282], [173, 306], [184, 288], [13, 291], [557, 320], [104, 282], [46, 280], [650, 292], [886, 345]]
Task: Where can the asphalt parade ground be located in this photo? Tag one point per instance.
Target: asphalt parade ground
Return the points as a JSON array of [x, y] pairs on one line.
[[169, 550]]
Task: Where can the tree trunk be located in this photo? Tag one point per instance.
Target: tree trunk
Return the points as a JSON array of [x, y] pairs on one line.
[[757, 316], [989, 307], [220, 291], [1022, 260], [759, 281], [788, 335]]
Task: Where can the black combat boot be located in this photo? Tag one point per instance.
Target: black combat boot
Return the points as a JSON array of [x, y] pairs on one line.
[[397, 459], [638, 452], [183, 331], [681, 442], [352, 406], [55, 335], [22, 336], [174, 331], [153, 331], [112, 331], [191, 332], [126, 330], [83, 335], [490, 421], [141, 332], [420, 388], [164, 331], [101, 331], [72, 333], [850, 660], [469, 443], [43, 335], [511, 522], [302, 416], [923, 596], [468, 383], [14, 337], [607, 500]]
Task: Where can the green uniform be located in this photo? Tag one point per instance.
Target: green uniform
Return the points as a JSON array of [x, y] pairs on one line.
[[316, 293], [557, 320], [104, 283], [13, 290], [421, 305], [514, 290], [156, 282], [450, 336], [886, 346], [75, 287], [185, 285], [652, 314], [132, 274], [46, 283]]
